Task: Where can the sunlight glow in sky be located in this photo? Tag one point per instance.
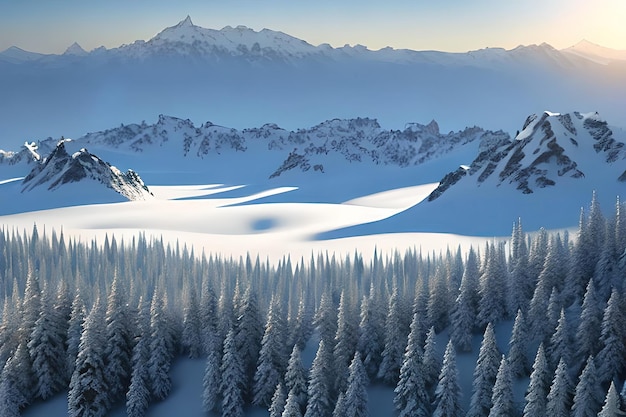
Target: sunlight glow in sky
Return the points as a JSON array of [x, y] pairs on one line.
[[50, 26]]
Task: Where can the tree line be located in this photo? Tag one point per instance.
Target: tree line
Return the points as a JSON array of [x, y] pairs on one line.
[[105, 321]]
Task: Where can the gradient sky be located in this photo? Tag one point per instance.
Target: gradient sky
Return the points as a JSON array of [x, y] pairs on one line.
[[50, 26]]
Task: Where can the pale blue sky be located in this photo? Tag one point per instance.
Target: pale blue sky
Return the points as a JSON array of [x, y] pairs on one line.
[[448, 25]]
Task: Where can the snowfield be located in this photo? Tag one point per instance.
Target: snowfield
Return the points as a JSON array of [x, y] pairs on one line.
[[199, 217]]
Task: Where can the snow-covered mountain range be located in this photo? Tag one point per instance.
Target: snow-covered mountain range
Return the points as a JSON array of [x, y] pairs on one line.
[[241, 77]]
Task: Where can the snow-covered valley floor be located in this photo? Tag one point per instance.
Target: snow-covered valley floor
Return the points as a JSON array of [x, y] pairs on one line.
[[202, 217]]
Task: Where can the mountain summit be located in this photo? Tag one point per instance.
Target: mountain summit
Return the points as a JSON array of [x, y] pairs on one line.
[[60, 168]]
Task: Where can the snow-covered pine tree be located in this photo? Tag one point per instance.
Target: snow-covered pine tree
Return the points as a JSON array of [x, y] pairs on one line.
[[560, 343], [448, 392], [47, 349], [484, 375], [325, 320], [118, 349], [296, 378], [75, 329], [232, 375], [518, 345], [356, 393], [611, 406], [559, 397], [12, 398], [292, 407], [502, 395], [345, 342], [465, 309], [389, 370], [588, 397], [590, 325], [431, 363], [538, 388], [138, 395], [521, 289], [411, 397], [340, 406], [211, 381], [319, 390], [160, 358], [279, 399], [272, 357], [88, 394], [439, 302], [192, 340], [493, 288], [371, 335], [611, 359]]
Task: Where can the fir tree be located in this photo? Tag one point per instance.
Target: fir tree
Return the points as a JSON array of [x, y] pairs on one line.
[[296, 378], [47, 350], [345, 343], [319, 389], [448, 392], [559, 397], [118, 349], [75, 328], [518, 361], [232, 375], [611, 359], [12, 398], [502, 396], [138, 395], [493, 287], [279, 399], [292, 408], [439, 303], [371, 337], [340, 406], [465, 308], [537, 393], [611, 404], [212, 379], [389, 370], [431, 363], [88, 390], [356, 394], [192, 340], [590, 325], [272, 357], [588, 396], [484, 375], [560, 343], [160, 352], [411, 397]]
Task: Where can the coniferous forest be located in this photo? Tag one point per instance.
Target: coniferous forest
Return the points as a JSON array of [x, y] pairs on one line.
[[103, 321]]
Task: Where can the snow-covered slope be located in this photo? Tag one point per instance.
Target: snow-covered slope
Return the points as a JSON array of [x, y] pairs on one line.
[[60, 168]]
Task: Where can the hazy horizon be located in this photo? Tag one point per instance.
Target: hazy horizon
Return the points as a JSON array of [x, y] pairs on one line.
[[451, 26]]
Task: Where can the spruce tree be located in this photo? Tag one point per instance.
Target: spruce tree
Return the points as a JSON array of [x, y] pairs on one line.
[[319, 390], [431, 363], [277, 406], [590, 325], [493, 288], [356, 393], [232, 375], [560, 343], [411, 398], [559, 397], [611, 404], [502, 395], [484, 375], [272, 357], [292, 407], [160, 352], [371, 334], [518, 361], [296, 378], [138, 395], [389, 370], [538, 388], [588, 397], [88, 394], [211, 381], [192, 340], [448, 392], [611, 359], [465, 309]]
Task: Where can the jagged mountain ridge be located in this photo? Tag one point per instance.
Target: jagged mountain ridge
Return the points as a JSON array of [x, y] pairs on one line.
[[60, 168], [549, 148], [352, 141]]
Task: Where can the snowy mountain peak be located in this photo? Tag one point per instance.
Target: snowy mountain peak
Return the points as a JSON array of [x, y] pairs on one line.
[[596, 53], [75, 49], [186, 22], [60, 168], [550, 148]]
